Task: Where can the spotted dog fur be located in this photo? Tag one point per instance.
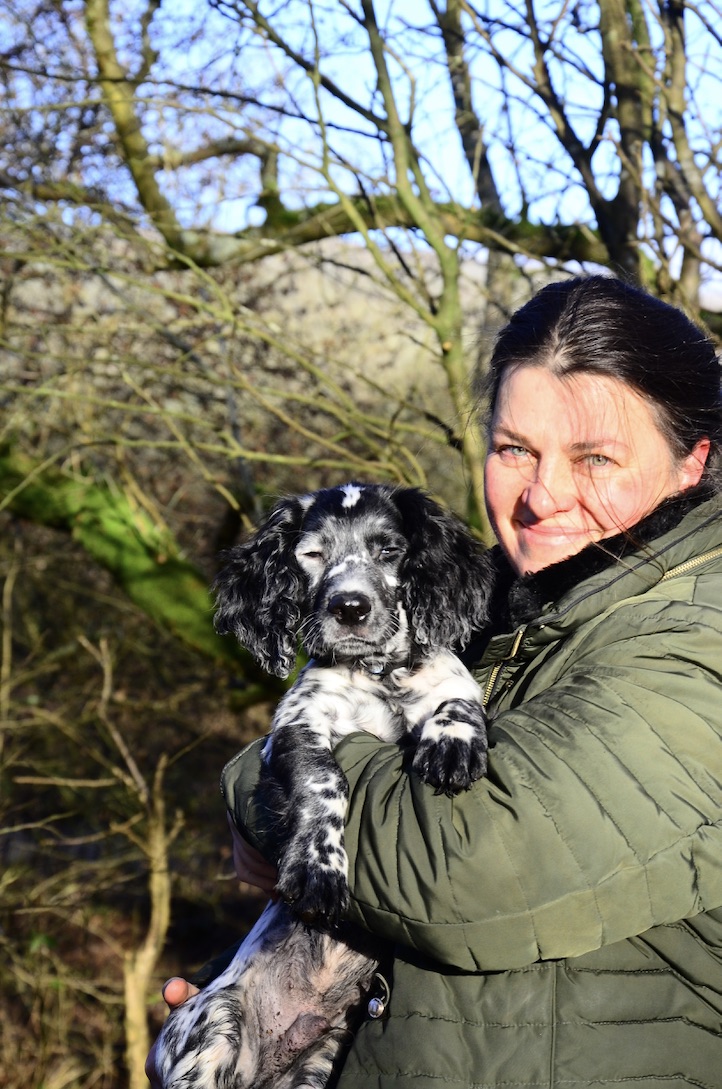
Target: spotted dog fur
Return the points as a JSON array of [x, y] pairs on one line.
[[435, 700], [378, 583], [277, 1017]]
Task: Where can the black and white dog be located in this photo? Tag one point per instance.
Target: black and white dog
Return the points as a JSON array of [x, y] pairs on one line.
[[379, 583]]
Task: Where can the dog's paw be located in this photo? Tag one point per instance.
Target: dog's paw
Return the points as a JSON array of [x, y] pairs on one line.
[[452, 747], [449, 765], [313, 891]]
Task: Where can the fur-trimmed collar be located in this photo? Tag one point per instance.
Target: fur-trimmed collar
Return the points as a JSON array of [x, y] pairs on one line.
[[517, 600]]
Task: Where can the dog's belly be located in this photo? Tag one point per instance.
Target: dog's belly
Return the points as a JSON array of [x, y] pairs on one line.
[[288, 997]]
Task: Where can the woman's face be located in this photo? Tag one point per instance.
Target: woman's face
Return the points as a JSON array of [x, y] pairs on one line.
[[573, 461]]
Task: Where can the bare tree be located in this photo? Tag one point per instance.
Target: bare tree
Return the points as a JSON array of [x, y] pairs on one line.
[[562, 132], [86, 830], [292, 102]]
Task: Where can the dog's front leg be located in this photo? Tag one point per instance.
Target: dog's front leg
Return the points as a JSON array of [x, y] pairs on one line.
[[312, 866], [311, 792], [442, 704]]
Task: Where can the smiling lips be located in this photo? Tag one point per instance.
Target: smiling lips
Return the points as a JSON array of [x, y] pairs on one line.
[[553, 532]]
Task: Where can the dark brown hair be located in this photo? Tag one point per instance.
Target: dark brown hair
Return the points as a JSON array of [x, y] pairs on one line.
[[600, 325]]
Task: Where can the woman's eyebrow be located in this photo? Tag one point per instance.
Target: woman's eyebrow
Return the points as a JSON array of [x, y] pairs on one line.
[[589, 445], [502, 429]]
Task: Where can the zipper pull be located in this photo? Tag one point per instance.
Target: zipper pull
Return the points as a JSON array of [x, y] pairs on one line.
[[494, 675]]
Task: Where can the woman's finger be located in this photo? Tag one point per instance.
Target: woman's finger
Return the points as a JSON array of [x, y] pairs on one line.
[[177, 990]]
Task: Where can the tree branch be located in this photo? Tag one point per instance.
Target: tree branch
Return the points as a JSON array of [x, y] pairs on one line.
[[122, 539], [468, 123], [120, 100]]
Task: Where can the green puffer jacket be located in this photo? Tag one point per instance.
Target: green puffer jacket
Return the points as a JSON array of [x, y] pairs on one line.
[[559, 925]]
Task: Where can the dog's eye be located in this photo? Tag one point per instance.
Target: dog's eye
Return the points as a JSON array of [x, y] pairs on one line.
[[389, 551], [313, 555]]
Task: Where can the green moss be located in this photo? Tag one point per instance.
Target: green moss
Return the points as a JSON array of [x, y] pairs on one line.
[[143, 560]]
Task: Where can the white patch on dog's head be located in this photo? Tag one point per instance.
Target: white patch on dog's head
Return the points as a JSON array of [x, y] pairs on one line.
[[343, 566], [351, 495]]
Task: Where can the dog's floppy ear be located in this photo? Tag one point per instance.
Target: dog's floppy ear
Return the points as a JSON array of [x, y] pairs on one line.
[[446, 578], [259, 590]]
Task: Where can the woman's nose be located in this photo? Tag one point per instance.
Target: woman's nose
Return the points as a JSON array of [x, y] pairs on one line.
[[548, 493]]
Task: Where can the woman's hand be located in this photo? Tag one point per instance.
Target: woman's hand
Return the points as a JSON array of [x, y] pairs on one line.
[[251, 866]]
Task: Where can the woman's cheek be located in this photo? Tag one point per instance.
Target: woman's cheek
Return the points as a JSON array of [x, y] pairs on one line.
[[620, 503]]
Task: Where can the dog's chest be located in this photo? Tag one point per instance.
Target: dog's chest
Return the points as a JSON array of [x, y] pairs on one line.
[[339, 700]]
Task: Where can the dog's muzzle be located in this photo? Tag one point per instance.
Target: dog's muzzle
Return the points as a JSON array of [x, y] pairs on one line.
[[349, 609]]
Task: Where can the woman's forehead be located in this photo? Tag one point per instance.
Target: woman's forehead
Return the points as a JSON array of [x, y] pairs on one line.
[[577, 409]]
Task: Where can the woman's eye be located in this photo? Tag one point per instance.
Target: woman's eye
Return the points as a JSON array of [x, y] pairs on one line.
[[598, 461], [512, 452]]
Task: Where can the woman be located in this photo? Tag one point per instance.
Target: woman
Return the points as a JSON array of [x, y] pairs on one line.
[[561, 923]]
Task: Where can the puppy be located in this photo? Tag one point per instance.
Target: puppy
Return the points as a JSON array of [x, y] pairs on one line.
[[378, 583]]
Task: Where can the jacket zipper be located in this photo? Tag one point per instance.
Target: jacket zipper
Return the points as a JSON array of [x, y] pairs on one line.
[[689, 565], [496, 670]]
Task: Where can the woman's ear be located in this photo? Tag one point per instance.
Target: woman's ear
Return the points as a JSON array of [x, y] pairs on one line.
[[693, 465]]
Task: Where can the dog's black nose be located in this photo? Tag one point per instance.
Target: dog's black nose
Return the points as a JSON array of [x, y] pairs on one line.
[[349, 608]]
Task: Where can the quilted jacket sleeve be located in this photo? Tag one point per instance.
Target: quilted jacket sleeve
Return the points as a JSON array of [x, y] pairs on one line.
[[601, 816]]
